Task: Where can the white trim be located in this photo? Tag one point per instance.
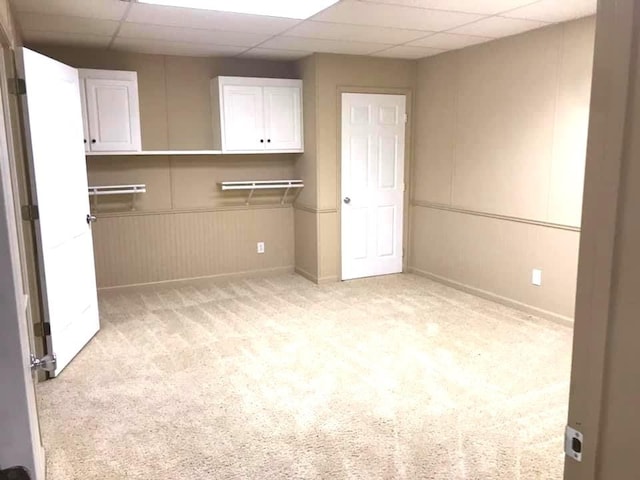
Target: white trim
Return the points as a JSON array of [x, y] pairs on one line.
[[189, 152]]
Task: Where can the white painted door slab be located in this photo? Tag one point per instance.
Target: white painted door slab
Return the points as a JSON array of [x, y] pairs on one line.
[[282, 113], [243, 118], [373, 132], [55, 133]]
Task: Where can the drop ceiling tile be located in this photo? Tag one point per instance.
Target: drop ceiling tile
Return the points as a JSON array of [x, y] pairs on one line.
[[555, 10], [485, 7], [174, 48], [498, 27], [269, 54], [104, 9], [360, 33], [208, 20], [31, 37], [64, 24], [190, 35], [407, 52], [384, 15], [322, 45], [448, 41]]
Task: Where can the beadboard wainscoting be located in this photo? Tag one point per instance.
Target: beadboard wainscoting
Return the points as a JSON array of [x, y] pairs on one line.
[[135, 249]]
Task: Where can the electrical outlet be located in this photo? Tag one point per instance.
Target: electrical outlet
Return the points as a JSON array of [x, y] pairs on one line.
[[260, 247], [536, 277]]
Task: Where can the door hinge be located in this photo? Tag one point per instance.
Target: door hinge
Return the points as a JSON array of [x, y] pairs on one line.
[[17, 86], [406, 118], [30, 213], [42, 329], [573, 442]]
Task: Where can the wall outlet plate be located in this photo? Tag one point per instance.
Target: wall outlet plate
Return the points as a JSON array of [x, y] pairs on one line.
[[536, 277], [260, 247]]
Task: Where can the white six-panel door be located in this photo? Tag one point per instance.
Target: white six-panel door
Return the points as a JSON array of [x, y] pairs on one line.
[[373, 132], [65, 247]]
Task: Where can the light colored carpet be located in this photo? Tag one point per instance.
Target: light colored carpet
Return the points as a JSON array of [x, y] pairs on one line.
[[394, 377]]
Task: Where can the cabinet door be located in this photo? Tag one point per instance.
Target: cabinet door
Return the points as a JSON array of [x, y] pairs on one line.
[[243, 122], [85, 123], [112, 111], [283, 124]]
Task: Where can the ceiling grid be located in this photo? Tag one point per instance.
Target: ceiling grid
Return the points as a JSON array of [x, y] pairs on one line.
[[408, 29]]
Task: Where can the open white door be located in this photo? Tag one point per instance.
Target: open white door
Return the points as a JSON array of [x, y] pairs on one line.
[[373, 128], [20, 444], [56, 148]]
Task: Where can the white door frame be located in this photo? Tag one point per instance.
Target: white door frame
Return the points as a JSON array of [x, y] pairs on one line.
[[408, 164], [20, 443]]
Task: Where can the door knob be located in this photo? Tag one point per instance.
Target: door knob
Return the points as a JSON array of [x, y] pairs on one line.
[[47, 363], [347, 200], [91, 219]]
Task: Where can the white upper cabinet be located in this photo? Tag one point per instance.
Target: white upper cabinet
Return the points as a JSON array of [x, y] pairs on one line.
[[110, 109], [257, 115]]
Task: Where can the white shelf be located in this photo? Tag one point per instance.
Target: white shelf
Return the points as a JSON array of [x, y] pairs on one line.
[[253, 185], [99, 190], [157, 152]]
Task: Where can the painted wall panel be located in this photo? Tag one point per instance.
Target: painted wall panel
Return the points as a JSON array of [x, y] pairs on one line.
[[506, 137], [133, 249], [498, 256]]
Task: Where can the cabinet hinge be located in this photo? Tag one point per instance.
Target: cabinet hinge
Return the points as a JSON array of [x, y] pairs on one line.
[[42, 329], [17, 86], [573, 442], [406, 117], [30, 213]]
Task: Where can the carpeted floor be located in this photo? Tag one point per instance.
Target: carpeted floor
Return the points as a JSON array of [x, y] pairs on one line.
[[393, 377]]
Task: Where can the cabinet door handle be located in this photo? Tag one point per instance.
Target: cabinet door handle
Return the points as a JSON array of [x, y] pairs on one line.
[[85, 140], [262, 140], [93, 140], [269, 141]]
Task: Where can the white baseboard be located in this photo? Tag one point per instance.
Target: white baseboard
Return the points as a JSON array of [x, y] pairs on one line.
[[546, 314]]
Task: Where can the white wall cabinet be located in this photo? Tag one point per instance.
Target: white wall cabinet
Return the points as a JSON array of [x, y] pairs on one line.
[[110, 110], [257, 115]]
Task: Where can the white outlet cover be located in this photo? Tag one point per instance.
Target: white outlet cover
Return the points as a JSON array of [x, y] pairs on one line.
[[536, 277]]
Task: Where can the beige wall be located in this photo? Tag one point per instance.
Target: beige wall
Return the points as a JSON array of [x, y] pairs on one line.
[[499, 159], [184, 226], [331, 75]]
